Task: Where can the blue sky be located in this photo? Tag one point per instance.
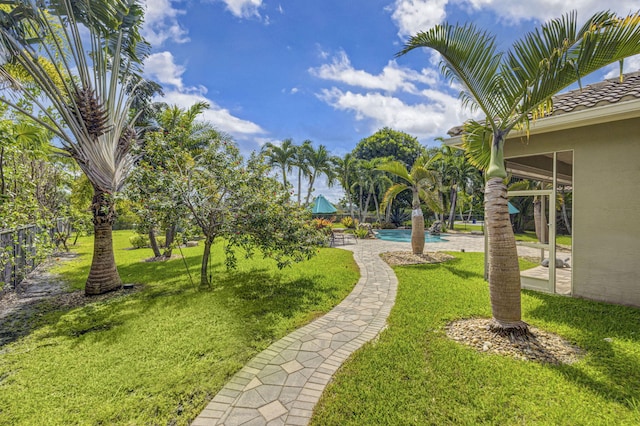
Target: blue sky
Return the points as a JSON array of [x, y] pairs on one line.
[[325, 70]]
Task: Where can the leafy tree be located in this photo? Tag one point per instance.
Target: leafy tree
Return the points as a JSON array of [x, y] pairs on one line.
[[389, 143], [511, 88], [84, 59], [228, 197], [151, 183], [423, 184]]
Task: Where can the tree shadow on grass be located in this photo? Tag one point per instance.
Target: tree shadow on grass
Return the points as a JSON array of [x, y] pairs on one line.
[[254, 301], [463, 272], [597, 326]]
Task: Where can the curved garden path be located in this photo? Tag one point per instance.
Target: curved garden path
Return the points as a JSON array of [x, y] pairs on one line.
[[282, 384]]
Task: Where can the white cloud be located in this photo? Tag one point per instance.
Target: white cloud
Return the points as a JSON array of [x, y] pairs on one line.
[[244, 8], [220, 117], [161, 67], [391, 79], [543, 10], [412, 16], [433, 117], [161, 23], [294, 90]]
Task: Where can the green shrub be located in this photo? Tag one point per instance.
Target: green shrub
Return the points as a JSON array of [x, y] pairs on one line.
[[162, 241], [361, 233], [349, 222], [139, 241]]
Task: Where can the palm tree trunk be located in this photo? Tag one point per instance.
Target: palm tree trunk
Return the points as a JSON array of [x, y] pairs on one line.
[[417, 231], [565, 217], [540, 221], [504, 272], [452, 211], [204, 267], [312, 180], [103, 275], [299, 185]]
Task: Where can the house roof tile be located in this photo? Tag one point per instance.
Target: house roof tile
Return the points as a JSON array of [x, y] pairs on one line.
[[607, 92]]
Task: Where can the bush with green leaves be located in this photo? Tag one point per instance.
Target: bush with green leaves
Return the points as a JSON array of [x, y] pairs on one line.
[[349, 222]]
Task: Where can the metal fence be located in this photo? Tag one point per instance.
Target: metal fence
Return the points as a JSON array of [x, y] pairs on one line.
[[19, 252]]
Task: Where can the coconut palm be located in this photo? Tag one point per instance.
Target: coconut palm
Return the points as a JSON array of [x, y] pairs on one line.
[[319, 162], [423, 184], [282, 155], [511, 89], [301, 163], [77, 63], [344, 168]]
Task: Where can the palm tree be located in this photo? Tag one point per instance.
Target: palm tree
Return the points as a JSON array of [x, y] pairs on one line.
[[344, 168], [458, 173], [282, 156], [511, 89], [84, 58], [423, 184], [319, 162], [300, 161]]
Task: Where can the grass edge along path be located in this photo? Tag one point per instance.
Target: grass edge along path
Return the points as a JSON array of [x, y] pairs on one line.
[[157, 356], [414, 375]]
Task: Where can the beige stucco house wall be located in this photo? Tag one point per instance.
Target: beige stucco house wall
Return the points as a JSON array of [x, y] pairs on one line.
[[606, 201], [601, 125]]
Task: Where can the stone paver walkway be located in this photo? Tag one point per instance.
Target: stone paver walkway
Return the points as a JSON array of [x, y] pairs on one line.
[[283, 383]]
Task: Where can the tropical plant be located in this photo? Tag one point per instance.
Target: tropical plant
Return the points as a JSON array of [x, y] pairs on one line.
[[511, 89], [423, 184], [319, 162], [283, 156], [344, 168], [235, 199], [84, 59], [150, 184], [300, 162]]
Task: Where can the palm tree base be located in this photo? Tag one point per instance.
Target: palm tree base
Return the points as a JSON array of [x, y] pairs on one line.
[[514, 331]]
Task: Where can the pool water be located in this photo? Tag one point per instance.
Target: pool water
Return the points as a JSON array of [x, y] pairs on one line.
[[404, 236]]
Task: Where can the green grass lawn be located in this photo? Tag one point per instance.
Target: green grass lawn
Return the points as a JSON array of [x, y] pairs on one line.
[[530, 236], [467, 227], [414, 375], [158, 355]]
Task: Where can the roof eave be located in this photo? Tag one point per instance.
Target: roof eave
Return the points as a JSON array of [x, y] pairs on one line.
[[571, 120]]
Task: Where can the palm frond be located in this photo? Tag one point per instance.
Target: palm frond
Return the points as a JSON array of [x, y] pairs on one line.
[[469, 57], [476, 142], [396, 168], [392, 193]]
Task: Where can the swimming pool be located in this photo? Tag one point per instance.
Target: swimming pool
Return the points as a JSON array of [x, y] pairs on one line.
[[404, 236]]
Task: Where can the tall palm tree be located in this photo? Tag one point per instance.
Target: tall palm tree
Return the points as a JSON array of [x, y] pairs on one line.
[[344, 168], [282, 156], [458, 173], [319, 162], [84, 58], [423, 184], [301, 162], [510, 89]]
